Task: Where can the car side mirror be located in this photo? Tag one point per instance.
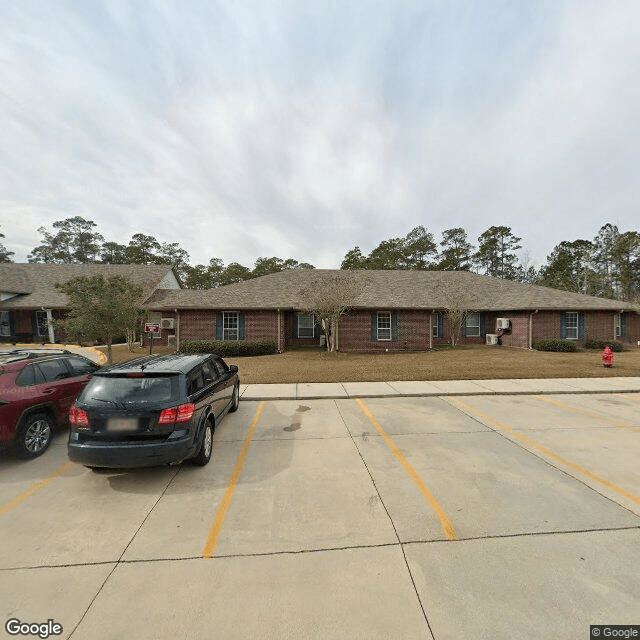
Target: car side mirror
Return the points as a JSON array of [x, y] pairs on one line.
[[233, 368]]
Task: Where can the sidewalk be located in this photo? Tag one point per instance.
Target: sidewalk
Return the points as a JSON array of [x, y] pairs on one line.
[[546, 386]]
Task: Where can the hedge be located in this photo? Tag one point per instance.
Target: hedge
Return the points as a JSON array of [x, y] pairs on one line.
[[600, 343], [229, 348], [556, 344]]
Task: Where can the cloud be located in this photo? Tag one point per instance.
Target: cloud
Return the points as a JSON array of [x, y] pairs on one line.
[[302, 130]]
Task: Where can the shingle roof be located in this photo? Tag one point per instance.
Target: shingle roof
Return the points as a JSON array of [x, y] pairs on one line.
[[36, 282], [385, 290]]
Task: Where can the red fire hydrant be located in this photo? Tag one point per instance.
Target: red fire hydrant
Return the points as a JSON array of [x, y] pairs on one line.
[[607, 357]]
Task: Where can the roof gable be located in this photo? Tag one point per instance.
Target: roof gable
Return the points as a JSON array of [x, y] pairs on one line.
[[36, 282]]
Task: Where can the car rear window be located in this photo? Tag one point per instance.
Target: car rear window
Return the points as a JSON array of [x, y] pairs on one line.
[[81, 366], [138, 390]]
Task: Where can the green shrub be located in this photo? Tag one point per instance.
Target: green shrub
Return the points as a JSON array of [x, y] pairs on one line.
[[230, 348], [556, 344], [600, 343]]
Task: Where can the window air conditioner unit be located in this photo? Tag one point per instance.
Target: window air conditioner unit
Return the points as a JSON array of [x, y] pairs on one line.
[[167, 323], [492, 338], [503, 323]]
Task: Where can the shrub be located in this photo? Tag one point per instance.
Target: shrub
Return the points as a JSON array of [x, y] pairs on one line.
[[230, 348], [556, 344], [600, 343]]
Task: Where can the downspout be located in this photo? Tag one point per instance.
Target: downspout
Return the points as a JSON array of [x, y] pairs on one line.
[[177, 329], [531, 329], [279, 348]]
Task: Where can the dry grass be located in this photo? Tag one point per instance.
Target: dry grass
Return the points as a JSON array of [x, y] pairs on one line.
[[461, 363]]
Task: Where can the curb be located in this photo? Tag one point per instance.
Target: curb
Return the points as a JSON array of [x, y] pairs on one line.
[[443, 394]]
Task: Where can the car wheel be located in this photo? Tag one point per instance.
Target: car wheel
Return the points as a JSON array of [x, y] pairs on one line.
[[34, 435], [206, 446], [235, 399]]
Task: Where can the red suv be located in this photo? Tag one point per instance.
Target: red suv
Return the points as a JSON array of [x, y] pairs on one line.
[[37, 389]]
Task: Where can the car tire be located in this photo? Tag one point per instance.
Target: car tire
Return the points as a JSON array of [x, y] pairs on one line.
[[235, 399], [206, 446], [34, 435]]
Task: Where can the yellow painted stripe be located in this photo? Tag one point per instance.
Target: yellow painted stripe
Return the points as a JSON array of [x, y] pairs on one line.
[[586, 412], [445, 523], [35, 488], [221, 513], [489, 421]]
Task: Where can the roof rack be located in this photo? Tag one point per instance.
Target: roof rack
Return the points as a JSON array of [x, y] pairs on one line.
[[21, 354]]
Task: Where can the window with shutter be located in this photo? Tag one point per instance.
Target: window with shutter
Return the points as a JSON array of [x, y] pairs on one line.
[[571, 325], [230, 325], [384, 325]]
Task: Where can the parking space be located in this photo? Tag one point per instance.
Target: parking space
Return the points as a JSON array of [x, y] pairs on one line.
[[488, 516]]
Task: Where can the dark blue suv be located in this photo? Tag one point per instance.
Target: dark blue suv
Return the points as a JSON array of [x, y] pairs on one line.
[[152, 411]]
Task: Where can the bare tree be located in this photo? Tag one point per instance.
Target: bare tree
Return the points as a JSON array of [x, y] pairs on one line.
[[458, 307], [329, 298]]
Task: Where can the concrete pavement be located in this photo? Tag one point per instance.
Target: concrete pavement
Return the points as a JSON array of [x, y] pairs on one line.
[[416, 388]]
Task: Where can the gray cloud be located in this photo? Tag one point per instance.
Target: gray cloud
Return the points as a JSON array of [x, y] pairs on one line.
[[301, 130]]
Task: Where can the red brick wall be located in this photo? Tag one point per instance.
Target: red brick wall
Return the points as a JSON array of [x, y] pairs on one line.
[[518, 335], [261, 325], [599, 325], [633, 328]]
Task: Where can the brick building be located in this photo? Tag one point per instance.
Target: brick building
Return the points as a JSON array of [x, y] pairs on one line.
[[392, 311]]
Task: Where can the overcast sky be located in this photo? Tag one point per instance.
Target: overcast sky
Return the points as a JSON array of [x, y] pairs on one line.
[[300, 129]]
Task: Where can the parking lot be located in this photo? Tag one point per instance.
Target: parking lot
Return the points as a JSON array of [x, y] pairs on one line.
[[462, 516]]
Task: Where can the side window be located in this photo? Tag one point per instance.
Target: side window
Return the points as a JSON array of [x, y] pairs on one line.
[[209, 372], [196, 382], [220, 367], [79, 366], [53, 370], [29, 376]]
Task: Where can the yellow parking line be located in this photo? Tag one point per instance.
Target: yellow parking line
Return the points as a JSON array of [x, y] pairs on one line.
[[489, 421], [445, 523], [221, 513], [586, 412], [35, 488]]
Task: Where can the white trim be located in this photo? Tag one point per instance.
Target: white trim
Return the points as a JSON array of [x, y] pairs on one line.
[[577, 325], [378, 313], [237, 328]]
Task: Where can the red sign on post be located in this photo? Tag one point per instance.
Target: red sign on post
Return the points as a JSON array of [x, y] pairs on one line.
[[151, 327]]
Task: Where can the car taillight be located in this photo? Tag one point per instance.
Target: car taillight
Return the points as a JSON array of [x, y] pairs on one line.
[[78, 417], [176, 415]]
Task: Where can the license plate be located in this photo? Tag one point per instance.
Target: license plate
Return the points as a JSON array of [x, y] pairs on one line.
[[122, 424]]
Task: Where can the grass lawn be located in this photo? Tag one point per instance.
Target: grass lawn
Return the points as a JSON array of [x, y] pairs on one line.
[[461, 363]]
